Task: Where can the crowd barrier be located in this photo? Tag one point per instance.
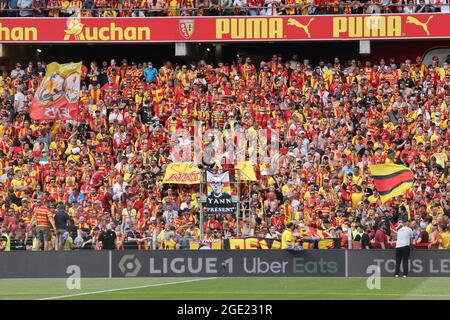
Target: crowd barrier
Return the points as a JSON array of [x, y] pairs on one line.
[[218, 263], [202, 10], [254, 243]]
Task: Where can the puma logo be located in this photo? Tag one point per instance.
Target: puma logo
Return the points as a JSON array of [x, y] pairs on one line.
[[424, 25], [304, 27]]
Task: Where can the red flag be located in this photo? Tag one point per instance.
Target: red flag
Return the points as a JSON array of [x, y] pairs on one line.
[[58, 94]]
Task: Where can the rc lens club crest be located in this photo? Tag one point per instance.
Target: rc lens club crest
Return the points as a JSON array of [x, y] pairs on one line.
[[186, 28]]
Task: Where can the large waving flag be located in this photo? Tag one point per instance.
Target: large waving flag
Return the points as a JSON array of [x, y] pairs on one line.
[[391, 180], [58, 94]]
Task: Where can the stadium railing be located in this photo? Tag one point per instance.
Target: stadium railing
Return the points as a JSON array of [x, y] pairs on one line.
[[322, 9]]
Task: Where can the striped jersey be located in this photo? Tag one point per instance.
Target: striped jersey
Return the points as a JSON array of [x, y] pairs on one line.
[[42, 214]]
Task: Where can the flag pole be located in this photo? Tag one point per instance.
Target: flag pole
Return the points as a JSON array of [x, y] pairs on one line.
[[250, 212], [238, 207], [201, 204]]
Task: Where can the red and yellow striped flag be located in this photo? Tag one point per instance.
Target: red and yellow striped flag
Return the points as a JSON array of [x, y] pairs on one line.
[[391, 180]]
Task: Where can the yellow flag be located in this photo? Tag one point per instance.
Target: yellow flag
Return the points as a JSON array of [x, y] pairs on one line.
[[245, 171], [391, 180], [182, 173]]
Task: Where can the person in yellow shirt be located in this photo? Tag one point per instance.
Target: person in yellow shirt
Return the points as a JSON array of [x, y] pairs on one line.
[[140, 97], [357, 196], [444, 239], [291, 10], [183, 77], [64, 6], [287, 188], [304, 6], [173, 8], [419, 136], [109, 14], [374, 198], [440, 71], [287, 238], [390, 157], [161, 236], [18, 184], [170, 243], [75, 156], [73, 143], [357, 178], [441, 157], [129, 213]]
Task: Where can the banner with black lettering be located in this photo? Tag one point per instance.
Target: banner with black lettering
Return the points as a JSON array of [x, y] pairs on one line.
[[218, 197]]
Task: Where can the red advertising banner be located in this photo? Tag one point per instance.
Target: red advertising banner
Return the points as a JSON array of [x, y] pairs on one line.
[[220, 29]]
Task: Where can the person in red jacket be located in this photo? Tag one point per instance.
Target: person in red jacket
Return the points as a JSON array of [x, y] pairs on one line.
[[212, 224]]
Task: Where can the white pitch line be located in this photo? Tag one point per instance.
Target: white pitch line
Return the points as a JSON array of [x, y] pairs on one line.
[[128, 288], [320, 293]]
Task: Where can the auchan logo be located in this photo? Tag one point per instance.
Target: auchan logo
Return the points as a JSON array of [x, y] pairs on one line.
[[18, 33], [367, 27], [249, 28], [79, 32]]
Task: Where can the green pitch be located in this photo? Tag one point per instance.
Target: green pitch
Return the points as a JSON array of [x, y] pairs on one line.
[[225, 288]]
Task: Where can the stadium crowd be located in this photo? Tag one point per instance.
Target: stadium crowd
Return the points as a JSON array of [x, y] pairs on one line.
[[97, 183], [152, 8]]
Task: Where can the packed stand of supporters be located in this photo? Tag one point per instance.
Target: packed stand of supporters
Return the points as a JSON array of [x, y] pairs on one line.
[[151, 8], [97, 183]]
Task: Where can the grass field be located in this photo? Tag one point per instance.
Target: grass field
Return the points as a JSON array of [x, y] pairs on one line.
[[225, 288]]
